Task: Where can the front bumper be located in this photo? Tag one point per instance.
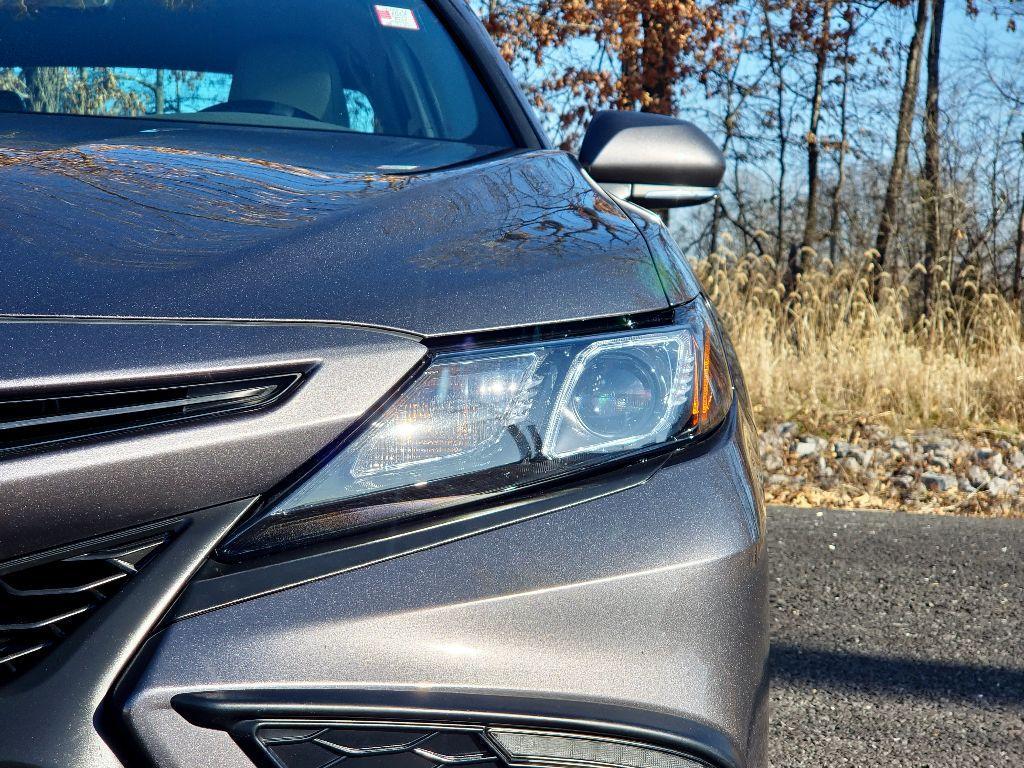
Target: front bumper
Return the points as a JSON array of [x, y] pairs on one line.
[[640, 613]]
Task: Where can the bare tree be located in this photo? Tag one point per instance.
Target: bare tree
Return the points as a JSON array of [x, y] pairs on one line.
[[904, 126], [931, 181]]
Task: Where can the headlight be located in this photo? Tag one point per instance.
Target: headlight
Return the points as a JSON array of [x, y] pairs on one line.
[[475, 424]]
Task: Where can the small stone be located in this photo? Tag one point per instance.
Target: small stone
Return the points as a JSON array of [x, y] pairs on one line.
[[902, 445], [842, 448], [936, 444], [984, 454], [1016, 460], [938, 483], [904, 482], [851, 465], [787, 429], [997, 486], [977, 476], [808, 446], [772, 462], [995, 464], [846, 450]]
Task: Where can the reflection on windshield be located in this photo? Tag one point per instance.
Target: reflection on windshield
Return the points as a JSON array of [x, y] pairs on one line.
[[115, 91]]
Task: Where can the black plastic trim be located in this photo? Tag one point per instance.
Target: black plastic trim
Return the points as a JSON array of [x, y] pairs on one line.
[[279, 383], [235, 711], [552, 331]]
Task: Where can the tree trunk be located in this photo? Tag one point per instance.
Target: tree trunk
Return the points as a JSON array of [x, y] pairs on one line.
[[158, 92], [45, 86], [932, 170], [837, 194], [813, 142], [730, 131], [780, 94], [904, 128], [1018, 260]]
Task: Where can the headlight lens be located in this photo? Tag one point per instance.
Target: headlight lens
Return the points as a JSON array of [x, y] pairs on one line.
[[479, 423]]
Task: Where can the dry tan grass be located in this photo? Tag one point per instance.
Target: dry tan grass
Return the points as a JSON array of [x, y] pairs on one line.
[[829, 357]]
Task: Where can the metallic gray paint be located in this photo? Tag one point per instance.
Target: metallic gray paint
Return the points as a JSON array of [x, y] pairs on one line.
[[52, 497], [204, 221], [654, 596]]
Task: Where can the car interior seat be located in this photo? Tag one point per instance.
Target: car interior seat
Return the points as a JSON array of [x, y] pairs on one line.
[[290, 78]]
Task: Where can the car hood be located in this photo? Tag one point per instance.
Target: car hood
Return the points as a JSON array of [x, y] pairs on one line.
[[113, 218]]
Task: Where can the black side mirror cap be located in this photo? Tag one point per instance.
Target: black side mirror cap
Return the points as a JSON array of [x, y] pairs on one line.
[[654, 160]]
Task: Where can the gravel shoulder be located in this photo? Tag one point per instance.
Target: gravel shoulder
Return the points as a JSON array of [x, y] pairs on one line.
[[871, 468], [897, 639]]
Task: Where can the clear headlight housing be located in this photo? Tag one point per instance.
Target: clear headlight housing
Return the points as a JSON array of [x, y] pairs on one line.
[[481, 423]]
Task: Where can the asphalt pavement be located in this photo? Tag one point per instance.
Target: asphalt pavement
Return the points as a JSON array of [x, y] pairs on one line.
[[897, 640]]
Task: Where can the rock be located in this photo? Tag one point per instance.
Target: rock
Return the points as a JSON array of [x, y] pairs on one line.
[[977, 476], [844, 450], [984, 454], [940, 459], [1016, 460], [903, 482], [772, 462], [902, 445], [787, 429], [876, 433], [851, 465], [995, 465], [938, 444], [808, 446], [938, 483], [997, 486]]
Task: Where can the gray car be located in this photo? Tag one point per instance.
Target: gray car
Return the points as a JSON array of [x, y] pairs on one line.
[[343, 420]]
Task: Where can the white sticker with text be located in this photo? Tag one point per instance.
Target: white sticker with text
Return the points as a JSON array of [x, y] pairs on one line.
[[399, 18]]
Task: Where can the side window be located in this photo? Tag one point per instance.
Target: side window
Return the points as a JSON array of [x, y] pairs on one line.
[[360, 112]]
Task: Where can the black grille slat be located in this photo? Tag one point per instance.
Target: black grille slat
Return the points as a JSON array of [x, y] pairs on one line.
[[45, 600], [9, 655], [41, 421], [369, 747]]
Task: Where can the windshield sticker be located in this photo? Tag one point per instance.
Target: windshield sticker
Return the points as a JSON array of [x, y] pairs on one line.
[[399, 18]]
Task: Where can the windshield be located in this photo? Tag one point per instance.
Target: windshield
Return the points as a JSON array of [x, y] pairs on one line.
[[348, 65]]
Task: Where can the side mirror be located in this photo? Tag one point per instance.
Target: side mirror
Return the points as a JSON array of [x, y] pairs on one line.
[[652, 160]]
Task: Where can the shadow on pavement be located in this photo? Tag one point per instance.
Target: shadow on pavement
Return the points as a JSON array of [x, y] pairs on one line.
[[896, 676]]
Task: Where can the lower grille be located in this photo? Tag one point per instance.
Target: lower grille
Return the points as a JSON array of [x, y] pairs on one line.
[[398, 745], [319, 747], [43, 599]]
